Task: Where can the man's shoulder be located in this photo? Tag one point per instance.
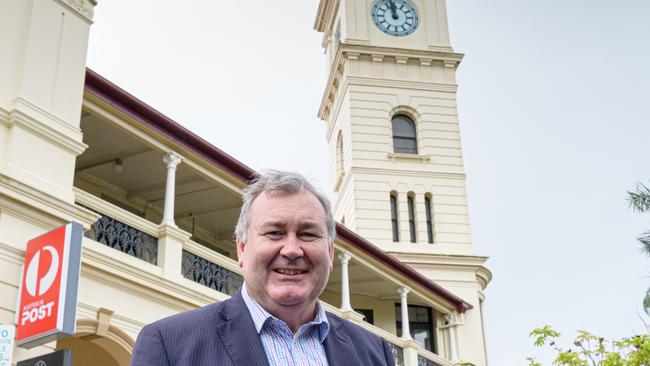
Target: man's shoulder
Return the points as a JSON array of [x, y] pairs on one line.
[[204, 315], [351, 341], [186, 338], [352, 330]]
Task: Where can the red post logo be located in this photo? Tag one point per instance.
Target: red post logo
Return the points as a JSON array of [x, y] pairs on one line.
[[45, 283]]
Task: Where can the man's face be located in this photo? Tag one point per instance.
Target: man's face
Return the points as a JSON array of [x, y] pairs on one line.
[[286, 260]]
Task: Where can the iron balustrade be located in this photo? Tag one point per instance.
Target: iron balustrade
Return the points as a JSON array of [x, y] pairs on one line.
[[422, 361], [207, 273], [125, 238], [398, 354]]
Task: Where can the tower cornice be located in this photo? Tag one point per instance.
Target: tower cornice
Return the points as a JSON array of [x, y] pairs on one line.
[[352, 52], [83, 8], [325, 14]]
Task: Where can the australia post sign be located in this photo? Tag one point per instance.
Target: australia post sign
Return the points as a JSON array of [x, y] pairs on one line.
[[48, 296]]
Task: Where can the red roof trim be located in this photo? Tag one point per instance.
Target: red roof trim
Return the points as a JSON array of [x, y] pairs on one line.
[[365, 246], [140, 111], [134, 107]]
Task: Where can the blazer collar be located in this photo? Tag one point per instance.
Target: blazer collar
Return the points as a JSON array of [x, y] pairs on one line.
[[238, 333], [338, 346]]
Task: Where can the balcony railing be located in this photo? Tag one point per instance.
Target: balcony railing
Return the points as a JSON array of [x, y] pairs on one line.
[[124, 238], [425, 362], [398, 354], [210, 274]]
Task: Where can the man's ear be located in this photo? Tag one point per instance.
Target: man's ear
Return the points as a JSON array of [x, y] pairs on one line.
[[240, 251]]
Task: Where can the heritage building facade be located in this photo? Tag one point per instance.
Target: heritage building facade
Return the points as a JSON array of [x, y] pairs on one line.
[[158, 204]]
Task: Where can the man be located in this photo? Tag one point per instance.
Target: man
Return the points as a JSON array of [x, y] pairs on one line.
[[284, 236]]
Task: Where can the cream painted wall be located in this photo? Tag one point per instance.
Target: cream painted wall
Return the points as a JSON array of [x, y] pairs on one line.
[[375, 171], [459, 276], [43, 70]]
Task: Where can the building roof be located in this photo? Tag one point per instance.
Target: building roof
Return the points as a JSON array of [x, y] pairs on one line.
[[113, 95]]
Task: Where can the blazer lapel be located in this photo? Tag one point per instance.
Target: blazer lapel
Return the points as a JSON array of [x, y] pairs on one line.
[[338, 346], [238, 334]]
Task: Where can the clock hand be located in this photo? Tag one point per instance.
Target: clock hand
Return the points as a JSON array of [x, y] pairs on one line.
[[393, 9]]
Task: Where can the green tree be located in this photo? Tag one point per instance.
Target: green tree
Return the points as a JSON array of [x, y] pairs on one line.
[[639, 201], [590, 350]]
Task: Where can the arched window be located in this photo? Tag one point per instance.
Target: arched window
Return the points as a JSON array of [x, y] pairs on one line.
[[393, 216], [411, 207], [427, 206], [404, 138], [339, 154]]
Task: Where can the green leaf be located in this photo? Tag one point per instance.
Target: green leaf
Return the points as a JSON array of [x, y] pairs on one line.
[[532, 362], [543, 334], [639, 199], [645, 242]]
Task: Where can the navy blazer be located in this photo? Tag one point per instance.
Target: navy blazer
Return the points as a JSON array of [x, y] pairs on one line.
[[223, 333]]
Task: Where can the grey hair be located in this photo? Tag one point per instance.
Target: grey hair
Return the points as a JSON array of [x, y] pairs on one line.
[[280, 181]]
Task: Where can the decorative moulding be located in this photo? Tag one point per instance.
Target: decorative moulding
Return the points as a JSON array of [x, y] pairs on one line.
[[30, 117], [409, 157], [115, 212], [213, 256], [339, 182], [408, 110], [165, 229], [51, 209], [408, 173], [352, 315], [84, 8]]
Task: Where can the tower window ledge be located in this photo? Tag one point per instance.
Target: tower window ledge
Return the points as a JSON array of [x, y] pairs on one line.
[[412, 157]]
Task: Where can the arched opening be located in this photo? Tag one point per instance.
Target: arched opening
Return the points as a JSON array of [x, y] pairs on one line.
[[98, 345]]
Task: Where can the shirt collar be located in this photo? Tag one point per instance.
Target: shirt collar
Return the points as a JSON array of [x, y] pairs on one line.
[[261, 316]]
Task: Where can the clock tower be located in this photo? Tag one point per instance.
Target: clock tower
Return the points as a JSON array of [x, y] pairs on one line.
[[396, 164]]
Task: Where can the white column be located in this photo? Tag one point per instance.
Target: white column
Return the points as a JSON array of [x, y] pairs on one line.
[[403, 292], [345, 257], [451, 329], [172, 160]]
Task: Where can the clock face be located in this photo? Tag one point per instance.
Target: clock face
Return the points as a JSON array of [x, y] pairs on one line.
[[395, 17]]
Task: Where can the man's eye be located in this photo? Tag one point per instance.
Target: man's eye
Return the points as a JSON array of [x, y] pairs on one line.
[[308, 236], [274, 234]]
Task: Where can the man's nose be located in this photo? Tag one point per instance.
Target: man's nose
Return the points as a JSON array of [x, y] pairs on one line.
[[292, 247]]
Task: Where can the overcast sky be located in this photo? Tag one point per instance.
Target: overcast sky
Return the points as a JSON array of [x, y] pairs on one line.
[[554, 113]]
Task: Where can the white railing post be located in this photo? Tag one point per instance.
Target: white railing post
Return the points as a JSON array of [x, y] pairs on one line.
[[403, 292], [452, 323], [170, 238], [171, 160], [171, 241], [345, 257]]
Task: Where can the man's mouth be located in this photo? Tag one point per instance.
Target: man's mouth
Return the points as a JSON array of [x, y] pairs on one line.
[[289, 271]]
